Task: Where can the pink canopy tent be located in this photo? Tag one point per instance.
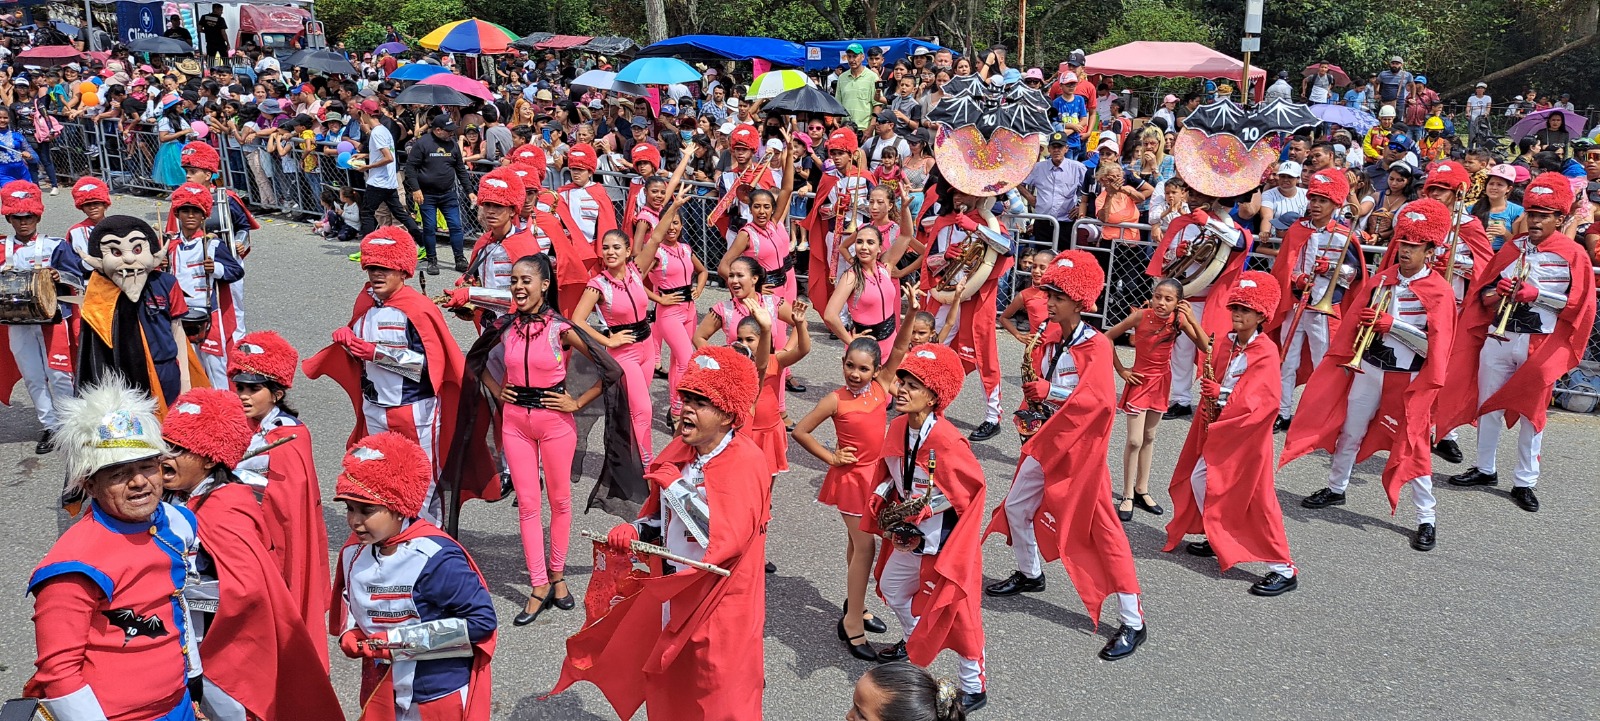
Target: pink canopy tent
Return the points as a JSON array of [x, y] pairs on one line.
[[1150, 59]]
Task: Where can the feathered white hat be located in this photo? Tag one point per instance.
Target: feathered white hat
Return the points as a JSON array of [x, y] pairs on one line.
[[107, 425]]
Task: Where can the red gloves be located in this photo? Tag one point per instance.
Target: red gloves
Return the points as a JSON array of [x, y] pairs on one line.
[[1210, 388], [1198, 216], [1183, 248], [354, 345], [965, 222], [353, 644], [1321, 266], [1380, 322], [458, 297], [622, 537], [1300, 282], [1521, 292], [1036, 390]]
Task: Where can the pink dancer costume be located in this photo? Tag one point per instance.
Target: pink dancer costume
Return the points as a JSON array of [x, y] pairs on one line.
[[625, 307], [673, 274], [874, 305], [1153, 339], [731, 311], [769, 245]]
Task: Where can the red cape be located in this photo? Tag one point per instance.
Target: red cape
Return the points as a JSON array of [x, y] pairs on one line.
[[707, 663], [606, 220], [630, 207], [256, 647], [1076, 521], [575, 263], [974, 338], [1214, 317], [1477, 240], [1527, 393], [1294, 245], [446, 367], [1242, 519], [949, 602], [1403, 424], [293, 507]]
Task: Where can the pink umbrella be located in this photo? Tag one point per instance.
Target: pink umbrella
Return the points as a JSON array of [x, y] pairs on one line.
[[1340, 78], [50, 55], [460, 84]]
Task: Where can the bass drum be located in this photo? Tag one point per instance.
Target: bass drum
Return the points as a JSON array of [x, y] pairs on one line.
[[28, 297]]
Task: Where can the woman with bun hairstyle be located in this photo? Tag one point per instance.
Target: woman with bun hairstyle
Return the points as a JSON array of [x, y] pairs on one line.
[[899, 691]]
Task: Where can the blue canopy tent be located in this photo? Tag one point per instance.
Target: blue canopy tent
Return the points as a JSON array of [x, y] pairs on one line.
[[825, 54], [727, 47]]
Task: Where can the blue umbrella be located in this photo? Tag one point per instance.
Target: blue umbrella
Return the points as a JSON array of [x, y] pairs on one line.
[[658, 71], [417, 71], [1359, 121]]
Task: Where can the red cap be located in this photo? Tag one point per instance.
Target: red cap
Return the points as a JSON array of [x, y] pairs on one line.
[[196, 154], [502, 186], [1422, 222], [745, 136], [370, 106], [1550, 192], [20, 197], [582, 156], [192, 195], [1331, 184], [938, 368], [1075, 274], [647, 153], [263, 356], [1447, 174], [1257, 291], [390, 247], [386, 469], [725, 377], [843, 139], [90, 189], [210, 423]]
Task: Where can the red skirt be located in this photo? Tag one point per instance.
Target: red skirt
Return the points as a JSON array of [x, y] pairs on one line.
[[774, 442], [846, 488], [1151, 395]]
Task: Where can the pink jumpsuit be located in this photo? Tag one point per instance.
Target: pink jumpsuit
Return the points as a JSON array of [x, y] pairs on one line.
[[674, 270], [624, 303], [876, 300], [769, 245], [535, 437]]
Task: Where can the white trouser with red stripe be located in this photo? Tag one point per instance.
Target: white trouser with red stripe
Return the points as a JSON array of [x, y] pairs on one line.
[[1366, 391], [1197, 482], [418, 421], [46, 386], [1313, 329], [1496, 363], [901, 578]]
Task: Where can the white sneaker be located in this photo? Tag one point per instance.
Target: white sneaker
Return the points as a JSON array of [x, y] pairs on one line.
[[54, 190]]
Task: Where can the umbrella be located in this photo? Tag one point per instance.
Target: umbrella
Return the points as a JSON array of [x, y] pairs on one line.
[[658, 71], [324, 61], [158, 45], [421, 94], [1340, 77], [67, 29], [50, 55], [418, 71], [805, 99], [297, 56], [1359, 121], [607, 80], [1535, 121], [474, 37], [460, 84], [769, 84], [391, 48]]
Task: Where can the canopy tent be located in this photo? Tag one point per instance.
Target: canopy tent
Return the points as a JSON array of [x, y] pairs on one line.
[[562, 42], [527, 42], [728, 47], [608, 45], [1150, 59], [825, 54]]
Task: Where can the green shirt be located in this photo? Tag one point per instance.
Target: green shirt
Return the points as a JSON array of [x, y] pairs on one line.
[[856, 94]]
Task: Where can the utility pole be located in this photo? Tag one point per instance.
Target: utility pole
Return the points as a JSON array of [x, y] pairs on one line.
[[1022, 31], [1251, 43]]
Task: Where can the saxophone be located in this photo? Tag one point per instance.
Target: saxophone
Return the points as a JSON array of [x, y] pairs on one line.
[[1031, 417], [1210, 408], [892, 517]]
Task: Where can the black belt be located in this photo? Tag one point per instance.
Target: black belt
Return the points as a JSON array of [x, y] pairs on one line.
[[879, 331], [779, 276], [1383, 357], [685, 293], [1524, 319], [641, 329], [533, 397]]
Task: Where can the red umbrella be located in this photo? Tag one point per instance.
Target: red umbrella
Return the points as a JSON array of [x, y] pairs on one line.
[[48, 55], [1340, 79]]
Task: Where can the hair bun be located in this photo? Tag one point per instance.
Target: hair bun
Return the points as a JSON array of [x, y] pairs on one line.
[[947, 705]]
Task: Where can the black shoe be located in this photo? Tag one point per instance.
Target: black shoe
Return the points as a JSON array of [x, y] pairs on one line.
[[1201, 549], [1282, 424], [433, 265], [1448, 450], [1423, 539], [1524, 498], [47, 442], [1124, 516], [1474, 477], [1322, 499], [524, 618], [984, 431], [661, 373], [972, 701], [872, 624], [461, 264], [771, 568], [1274, 584], [893, 653], [1148, 505], [506, 489], [1123, 644], [795, 386], [1017, 582], [862, 651], [565, 603], [1177, 410]]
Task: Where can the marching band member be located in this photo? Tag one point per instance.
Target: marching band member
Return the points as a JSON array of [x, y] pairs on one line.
[[868, 291], [689, 646], [746, 174], [1317, 256], [679, 278], [625, 304], [260, 659], [1029, 300], [1059, 491], [1523, 325], [744, 283], [500, 199], [590, 205], [93, 197], [646, 159], [548, 220], [262, 366], [838, 207], [200, 165], [205, 267], [1223, 485], [764, 236], [754, 334], [409, 602], [40, 354], [1402, 369], [928, 506]]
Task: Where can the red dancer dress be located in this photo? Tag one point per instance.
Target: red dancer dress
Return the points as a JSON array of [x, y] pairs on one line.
[[859, 423], [767, 429], [1153, 339]]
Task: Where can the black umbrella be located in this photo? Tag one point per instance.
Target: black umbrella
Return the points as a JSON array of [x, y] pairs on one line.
[[158, 45], [297, 56], [324, 61], [805, 99], [432, 95]]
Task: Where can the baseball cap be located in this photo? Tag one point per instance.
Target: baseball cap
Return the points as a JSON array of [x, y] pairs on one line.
[[639, 122], [774, 144], [368, 106], [1289, 168], [854, 49], [1058, 138], [1504, 171], [727, 128], [1034, 74], [1397, 59], [1170, 99], [1422, 79], [443, 122], [886, 117]]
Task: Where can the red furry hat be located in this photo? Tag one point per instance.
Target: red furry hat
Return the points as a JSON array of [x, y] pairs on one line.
[[583, 156], [1447, 174], [745, 136], [938, 368], [1550, 192], [1422, 222], [502, 186], [725, 377], [842, 139], [90, 189], [390, 247], [531, 160], [1075, 274], [647, 153], [1331, 184], [201, 156], [263, 356], [1257, 291], [209, 423], [20, 197], [386, 469], [192, 195]]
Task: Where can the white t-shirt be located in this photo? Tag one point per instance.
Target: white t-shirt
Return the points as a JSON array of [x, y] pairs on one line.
[[1281, 205], [1477, 105], [380, 140]]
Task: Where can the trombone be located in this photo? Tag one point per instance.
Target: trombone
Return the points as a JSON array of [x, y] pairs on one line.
[[1364, 336], [1456, 210], [1323, 305]]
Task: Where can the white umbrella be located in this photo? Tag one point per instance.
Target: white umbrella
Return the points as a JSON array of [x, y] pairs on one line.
[[770, 83], [607, 80]]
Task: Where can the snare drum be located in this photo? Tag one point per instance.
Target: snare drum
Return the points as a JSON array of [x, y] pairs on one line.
[[27, 297]]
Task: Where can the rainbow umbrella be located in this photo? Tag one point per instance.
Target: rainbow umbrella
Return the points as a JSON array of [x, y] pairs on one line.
[[473, 37]]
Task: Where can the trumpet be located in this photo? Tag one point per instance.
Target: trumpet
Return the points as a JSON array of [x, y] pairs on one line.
[[1030, 418], [1507, 305], [1365, 335]]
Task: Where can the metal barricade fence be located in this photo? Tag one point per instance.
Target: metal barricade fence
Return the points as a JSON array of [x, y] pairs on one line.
[[73, 151]]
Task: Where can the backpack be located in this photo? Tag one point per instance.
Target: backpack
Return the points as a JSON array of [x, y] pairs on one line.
[[45, 127]]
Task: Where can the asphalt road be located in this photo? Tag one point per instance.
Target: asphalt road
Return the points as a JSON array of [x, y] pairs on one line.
[[1499, 622]]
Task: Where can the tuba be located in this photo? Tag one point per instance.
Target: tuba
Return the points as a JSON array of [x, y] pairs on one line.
[[974, 249], [1208, 255], [1031, 417]]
